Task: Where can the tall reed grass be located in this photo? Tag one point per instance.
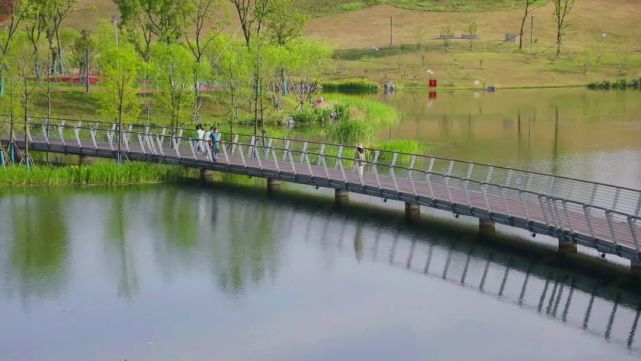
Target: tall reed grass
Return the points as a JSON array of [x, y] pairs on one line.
[[94, 174]]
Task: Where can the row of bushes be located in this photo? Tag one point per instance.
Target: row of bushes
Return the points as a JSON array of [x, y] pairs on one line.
[[351, 86], [617, 84]]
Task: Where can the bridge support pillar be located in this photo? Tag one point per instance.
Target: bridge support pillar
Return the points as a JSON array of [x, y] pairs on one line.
[[341, 197], [487, 227], [273, 185], [84, 159], [412, 211], [206, 174], [567, 246]]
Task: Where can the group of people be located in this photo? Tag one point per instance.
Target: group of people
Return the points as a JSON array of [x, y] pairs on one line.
[[211, 136]]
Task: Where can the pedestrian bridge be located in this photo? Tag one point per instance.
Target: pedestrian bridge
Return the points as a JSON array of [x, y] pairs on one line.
[[604, 217]]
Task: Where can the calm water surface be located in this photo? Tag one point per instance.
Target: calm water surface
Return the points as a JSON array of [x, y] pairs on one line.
[[587, 134], [220, 273]]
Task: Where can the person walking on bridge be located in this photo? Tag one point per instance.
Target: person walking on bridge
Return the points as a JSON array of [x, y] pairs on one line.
[[214, 141], [200, 135], [359, 160]]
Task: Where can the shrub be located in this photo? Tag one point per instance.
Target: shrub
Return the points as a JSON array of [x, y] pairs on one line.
[[353, 86]]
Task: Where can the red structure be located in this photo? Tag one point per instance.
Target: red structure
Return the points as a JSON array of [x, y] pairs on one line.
[[6, 7], [432, 83], [74, 79]]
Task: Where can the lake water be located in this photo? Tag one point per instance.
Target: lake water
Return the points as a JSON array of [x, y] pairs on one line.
[[224, 272], [228, 273], [593, 135]]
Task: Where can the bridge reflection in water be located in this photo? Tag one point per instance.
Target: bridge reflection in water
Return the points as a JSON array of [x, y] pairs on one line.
[[222, 244], [552, 292]]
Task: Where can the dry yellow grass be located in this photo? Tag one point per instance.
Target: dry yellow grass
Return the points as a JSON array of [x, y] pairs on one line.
[[370, 27]]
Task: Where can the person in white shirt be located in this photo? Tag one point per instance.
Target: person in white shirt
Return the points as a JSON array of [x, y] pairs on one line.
[[200, 135]]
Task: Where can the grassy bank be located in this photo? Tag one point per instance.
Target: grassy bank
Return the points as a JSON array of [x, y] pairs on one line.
[[94, 174]]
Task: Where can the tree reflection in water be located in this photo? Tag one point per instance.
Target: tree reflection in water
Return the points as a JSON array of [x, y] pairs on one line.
[[34, 264]]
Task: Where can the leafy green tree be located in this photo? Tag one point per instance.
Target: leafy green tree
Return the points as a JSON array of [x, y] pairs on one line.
[[231, 63], [284, 23], [84, 49], [54, 13], [149, 20], [306, 62], [13, 12], [252, 15], [201, 30], [35, 25], [173, 68], [120, 69]]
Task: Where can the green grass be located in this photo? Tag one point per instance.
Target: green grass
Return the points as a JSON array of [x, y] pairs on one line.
[[403, 146], [94, 174], [351, 86]]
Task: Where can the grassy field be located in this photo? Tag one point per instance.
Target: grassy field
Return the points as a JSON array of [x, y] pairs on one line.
[[602, 42]]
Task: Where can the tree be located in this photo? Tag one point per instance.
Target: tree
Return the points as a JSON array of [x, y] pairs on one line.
[[200, 32], [12, 13], [562, 9], [35, 28], [146, 20], [232, 64], [173, 68], [252, 15], [527, 10], [120, 68], [284, 22], [446, 34], [84, 49], [306, 61], [472, 29], [54, 13]]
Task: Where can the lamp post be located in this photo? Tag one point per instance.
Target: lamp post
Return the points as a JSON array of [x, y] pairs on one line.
[[116, 19]]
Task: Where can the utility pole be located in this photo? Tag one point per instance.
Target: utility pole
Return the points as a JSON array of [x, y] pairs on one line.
[[532, 30], [391, 32]]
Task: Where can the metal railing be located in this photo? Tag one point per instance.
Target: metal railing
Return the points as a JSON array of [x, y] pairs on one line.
[[563, 207]]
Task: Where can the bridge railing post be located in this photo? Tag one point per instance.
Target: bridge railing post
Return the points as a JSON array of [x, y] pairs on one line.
[[223, 146], [632, 221]]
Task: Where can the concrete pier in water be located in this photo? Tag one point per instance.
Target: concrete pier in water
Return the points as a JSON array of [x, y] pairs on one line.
[[487, 227], [273, 185], [412, 211], [341, 197]]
